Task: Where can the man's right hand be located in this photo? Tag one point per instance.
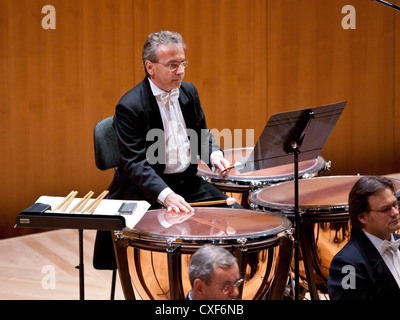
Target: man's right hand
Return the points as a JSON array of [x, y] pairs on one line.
[[175, 202]]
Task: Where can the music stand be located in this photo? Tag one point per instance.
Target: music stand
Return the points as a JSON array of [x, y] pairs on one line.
[[302, 133], [35, 217]]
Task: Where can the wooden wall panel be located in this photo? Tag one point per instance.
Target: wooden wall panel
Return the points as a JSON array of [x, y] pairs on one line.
[[314, 61], [226, 49], [396, 111]]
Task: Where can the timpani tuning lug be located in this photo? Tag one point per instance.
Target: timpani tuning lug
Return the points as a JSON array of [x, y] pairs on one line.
[[242, 242], [255, 184], [208, 179], [118, 234], [328, 165], [170, 241], [253, 206]]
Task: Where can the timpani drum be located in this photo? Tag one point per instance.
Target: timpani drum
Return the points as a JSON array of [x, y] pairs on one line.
[[158, 256], [323, 207], [244, 182]]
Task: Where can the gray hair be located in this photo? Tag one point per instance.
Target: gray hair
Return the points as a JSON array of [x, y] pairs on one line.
[[206, 259], [150, 48]]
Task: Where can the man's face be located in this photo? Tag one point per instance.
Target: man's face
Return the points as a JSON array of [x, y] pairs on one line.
[[383, 218], [222, 277], [161, 75]]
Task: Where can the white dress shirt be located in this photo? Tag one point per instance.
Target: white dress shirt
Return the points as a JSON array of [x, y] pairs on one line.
[[177, 145], [391, 260], [177, 153]]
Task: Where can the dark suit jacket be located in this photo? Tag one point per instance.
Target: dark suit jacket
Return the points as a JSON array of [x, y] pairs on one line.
[[136, 114], [374, 280]]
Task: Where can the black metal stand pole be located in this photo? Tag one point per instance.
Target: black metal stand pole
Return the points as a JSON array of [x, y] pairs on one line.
[[296, 222], [81, 268]]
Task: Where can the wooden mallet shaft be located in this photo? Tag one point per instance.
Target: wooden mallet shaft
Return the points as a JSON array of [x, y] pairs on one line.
[[227, 201]]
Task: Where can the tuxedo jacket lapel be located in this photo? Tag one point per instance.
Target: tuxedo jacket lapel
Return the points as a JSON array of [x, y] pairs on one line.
[[383, 278], [155, 121]]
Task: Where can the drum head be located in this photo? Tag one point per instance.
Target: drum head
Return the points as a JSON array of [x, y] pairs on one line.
[[210, 224], [282, 173], [315, 195]]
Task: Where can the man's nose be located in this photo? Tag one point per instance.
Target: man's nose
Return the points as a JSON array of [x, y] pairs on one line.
[[394, 211], [234, 292], [180, 70]]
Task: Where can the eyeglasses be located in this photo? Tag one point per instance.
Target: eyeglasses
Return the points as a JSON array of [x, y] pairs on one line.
[[236, 284], [174, 65], [388, 209]]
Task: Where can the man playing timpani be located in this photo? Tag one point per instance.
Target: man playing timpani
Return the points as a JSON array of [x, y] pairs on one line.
[[163, 101], [164, 104]]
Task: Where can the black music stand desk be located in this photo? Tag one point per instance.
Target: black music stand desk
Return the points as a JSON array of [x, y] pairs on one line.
[[290, 137]]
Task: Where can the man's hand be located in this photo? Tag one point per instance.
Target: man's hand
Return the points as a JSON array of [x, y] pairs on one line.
[[175, 202], [220, 163]]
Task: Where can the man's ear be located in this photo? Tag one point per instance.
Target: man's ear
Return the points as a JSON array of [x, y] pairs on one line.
[[362, 217], [198, 288], [149, 67]]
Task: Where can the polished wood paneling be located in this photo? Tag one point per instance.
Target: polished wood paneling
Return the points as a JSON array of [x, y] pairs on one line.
[[313, 61], [56, 84], [396, 111], [226, 49], [248, 58]]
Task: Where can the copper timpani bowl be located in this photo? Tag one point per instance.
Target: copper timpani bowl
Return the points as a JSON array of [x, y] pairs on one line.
[[159, 254], [323, 206]]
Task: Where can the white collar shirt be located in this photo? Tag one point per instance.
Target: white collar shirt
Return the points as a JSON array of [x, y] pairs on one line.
[[177, 144], [392, 258]]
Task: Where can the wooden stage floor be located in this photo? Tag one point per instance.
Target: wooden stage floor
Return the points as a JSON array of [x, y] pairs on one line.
[[42, 267]]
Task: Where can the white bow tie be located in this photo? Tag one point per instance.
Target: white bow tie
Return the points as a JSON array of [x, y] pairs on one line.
[[167, 96], [390, 245]]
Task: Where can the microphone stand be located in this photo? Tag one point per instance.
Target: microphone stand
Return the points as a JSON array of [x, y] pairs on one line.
[[389, 4]]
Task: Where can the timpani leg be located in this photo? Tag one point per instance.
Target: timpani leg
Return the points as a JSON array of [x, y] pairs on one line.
[[306, 245], [174, 273], [121, 245], [282, 270]]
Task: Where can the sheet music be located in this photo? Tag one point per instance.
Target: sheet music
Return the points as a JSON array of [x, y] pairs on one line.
[[269, 150], [108, 207]]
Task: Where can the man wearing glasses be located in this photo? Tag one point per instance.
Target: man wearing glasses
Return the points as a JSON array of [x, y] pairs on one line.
[[164, 107], [213, 274], [161, 132], [368, 267]]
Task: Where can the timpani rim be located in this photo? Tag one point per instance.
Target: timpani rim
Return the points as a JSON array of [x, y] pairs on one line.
[[288, 208]]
